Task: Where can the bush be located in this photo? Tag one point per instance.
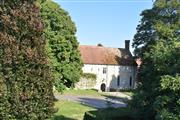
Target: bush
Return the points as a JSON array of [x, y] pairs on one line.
[[109, 114], [25, 81]]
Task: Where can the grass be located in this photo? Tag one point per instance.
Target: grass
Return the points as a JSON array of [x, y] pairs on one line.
[[91, 92], [82, 92], [69, 110]]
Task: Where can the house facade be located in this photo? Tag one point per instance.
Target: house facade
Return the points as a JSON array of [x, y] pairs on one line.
[[114, 67]]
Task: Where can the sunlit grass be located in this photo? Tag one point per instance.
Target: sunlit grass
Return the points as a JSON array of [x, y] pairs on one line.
[[82, 92], [69, 110], [92, 92]]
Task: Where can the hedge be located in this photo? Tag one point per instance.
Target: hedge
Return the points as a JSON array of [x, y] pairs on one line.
[[25, 82], [109, 114]]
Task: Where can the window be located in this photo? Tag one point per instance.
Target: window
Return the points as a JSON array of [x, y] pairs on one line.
[[118, 81], [104, 70], [130, 81]]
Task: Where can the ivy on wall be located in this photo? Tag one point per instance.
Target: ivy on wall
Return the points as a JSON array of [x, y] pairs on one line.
[[89, 76]]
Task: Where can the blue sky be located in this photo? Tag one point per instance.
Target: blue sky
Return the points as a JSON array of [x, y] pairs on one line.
[[108, 22]]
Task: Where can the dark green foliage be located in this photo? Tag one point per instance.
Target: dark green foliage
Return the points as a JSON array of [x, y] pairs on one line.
[[25, 81], [62, 45], [109, 114], [157, 42]]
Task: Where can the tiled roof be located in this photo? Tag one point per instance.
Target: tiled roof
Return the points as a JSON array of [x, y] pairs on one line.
[[105, 55]]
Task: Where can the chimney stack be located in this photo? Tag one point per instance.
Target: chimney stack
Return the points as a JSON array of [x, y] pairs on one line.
[[127, 42]]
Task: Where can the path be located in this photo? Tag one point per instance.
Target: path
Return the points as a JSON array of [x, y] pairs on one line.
[[110, 99]]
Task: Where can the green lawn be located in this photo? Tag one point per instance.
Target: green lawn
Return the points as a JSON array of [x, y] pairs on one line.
[[91, 92], [69, 110], [82, 92]]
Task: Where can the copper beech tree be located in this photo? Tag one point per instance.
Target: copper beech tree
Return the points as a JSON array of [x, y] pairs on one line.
[[25, 80]]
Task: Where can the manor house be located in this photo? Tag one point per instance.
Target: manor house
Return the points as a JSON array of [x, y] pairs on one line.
[[114, 67]]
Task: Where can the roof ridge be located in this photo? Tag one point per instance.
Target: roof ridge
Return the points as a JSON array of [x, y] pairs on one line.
[[101, 46]]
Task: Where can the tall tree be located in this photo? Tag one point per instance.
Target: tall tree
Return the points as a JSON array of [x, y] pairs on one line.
[[62, 45], [25, 81], [157, 42]]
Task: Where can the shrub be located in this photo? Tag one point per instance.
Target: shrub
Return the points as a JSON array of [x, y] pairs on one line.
[[109, 114]]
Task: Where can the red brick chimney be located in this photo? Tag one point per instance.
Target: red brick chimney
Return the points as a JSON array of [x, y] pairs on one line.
[[127, 42]]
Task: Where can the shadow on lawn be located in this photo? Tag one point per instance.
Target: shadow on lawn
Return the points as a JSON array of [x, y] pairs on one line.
[[123, 99], [61, 117], [100, 103]]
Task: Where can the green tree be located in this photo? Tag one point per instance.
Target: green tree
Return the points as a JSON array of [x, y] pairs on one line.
[[62, 45], [157, 42], [25, 83]]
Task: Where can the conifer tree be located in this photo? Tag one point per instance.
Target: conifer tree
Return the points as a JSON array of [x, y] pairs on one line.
[[25, 80]]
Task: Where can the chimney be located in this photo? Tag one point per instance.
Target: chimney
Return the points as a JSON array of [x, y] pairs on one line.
[[127, 42]]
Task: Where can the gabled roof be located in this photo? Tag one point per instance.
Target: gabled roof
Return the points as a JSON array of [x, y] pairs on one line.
[[105, 55]]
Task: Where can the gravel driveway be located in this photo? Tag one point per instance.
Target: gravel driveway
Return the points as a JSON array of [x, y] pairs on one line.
[[116, 100]]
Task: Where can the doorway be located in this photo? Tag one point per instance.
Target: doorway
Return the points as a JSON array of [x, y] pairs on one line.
[[103, 87]]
